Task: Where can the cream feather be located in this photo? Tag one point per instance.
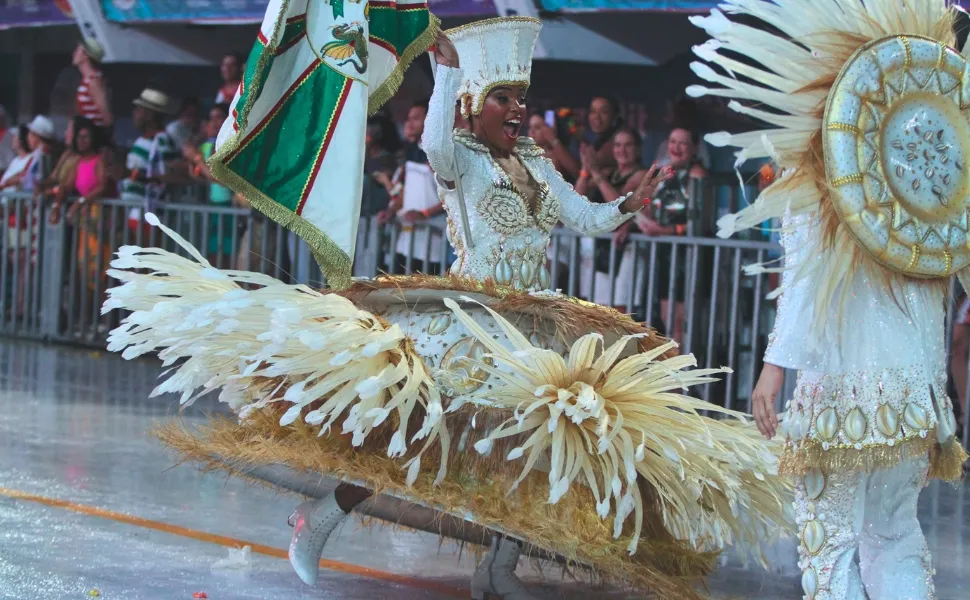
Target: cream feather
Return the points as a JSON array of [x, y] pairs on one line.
[[608, 422], [270, 342]]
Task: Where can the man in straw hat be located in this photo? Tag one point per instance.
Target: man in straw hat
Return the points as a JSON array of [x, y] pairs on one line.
[[149, 160], [92, 93]]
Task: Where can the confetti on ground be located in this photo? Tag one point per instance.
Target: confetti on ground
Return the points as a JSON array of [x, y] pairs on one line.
[[200, 595], [94, 593], [239, 558]]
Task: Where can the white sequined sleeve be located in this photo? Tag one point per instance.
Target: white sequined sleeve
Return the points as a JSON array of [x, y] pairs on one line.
[[578, 213], [438, 141], [789, 344]]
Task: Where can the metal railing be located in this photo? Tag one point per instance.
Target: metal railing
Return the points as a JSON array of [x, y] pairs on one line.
[[54, 282]]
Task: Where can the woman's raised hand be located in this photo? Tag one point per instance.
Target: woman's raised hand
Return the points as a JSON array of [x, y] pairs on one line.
[[445, 52], [647, 188]]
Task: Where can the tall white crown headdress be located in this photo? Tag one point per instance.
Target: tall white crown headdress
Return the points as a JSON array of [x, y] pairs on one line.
[[492, 53]]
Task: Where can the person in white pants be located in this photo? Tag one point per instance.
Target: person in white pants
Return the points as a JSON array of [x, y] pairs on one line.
[[863, 425], [875, 226]]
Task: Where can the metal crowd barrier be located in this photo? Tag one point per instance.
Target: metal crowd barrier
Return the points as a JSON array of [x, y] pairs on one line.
[[53, 276]]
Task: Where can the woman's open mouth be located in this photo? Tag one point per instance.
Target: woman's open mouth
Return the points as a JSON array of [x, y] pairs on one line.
[[512, 127]]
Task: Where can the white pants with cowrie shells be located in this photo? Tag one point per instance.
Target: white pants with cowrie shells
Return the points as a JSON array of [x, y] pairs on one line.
[[859, 536]]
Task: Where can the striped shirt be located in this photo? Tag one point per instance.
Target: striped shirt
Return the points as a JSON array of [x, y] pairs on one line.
[[86, 106], [148, 155]]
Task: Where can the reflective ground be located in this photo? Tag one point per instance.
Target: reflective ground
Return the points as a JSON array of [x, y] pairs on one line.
[[88, 501]]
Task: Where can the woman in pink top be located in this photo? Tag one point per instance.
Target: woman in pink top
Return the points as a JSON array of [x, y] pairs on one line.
[[88, 182]]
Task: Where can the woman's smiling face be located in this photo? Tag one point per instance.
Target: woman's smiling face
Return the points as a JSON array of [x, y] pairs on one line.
[[501, 119]]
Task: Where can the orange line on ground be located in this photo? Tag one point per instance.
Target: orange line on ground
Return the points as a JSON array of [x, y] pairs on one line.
[[229, 542]]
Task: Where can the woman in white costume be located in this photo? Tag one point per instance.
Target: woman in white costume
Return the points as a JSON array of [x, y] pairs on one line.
[[871, 134], [481, 398], [500, 215]]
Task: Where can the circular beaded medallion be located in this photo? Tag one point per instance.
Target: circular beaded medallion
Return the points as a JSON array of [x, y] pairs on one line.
[[896, 138]]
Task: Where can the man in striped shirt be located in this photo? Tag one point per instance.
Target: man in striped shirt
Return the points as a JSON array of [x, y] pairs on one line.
[[92, 93], [149, 160]]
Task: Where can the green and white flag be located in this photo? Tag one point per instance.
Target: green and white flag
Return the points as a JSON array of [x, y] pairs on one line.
[[294, 142]]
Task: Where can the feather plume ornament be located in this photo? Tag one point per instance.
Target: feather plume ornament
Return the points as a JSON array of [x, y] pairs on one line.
[[788, 76], [614, 424], [264, 342]]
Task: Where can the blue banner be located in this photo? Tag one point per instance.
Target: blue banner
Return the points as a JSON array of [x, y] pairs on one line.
[[602, 5], [227, 11]]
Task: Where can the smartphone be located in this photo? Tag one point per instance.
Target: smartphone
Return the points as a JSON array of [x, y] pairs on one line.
[[551, 118]]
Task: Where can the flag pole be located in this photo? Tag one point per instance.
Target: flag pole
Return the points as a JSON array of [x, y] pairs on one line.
[[462, 207], [469, 242]]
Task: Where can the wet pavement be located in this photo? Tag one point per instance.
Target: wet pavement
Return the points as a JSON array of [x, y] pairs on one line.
[[89, 501]]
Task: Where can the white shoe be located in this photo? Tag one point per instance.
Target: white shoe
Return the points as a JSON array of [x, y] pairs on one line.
[[495, 575], [312, 523]]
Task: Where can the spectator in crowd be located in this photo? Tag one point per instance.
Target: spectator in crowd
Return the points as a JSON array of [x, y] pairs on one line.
[[413, 129], [606, 185], [669, 217], [683, 113], [55, 182], [88, 182], [93, 100], [15, 172], [150, 157], [23, 222], [547, 138], [184, 130], [231, 71], [220, 227], [603, 119], [411, 152], [7, 140], [415, 202], [43, 145], [380, 163]]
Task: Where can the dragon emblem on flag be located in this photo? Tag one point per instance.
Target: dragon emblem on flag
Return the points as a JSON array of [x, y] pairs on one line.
[[349, 46]]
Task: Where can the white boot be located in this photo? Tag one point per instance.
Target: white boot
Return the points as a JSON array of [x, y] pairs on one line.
[[495, 575], [312, 523]]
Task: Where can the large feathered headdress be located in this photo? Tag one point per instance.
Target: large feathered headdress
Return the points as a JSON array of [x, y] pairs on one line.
[[867, 102]]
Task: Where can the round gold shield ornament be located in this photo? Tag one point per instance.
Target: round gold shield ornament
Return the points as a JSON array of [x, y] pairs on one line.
[[896, 138]]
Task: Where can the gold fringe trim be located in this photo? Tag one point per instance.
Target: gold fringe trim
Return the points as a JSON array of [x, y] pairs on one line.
[[477, 485], [946, 460], [395, 78], [571, 316]]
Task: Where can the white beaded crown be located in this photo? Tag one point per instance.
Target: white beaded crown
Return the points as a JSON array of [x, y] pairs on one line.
[[492, 53]]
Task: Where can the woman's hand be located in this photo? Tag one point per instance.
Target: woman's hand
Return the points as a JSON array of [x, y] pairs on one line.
[[763, 399], [72, 213], [645, 191], [445, 52], [651, 182], [382, 178], [55, 217], [587, 159], [412, 216]]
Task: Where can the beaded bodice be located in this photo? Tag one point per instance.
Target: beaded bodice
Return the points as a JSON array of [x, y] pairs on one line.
[[508, 233]]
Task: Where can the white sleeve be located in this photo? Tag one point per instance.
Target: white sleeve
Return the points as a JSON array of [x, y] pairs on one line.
[[578, 213], [438, 141], [788, 343]]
